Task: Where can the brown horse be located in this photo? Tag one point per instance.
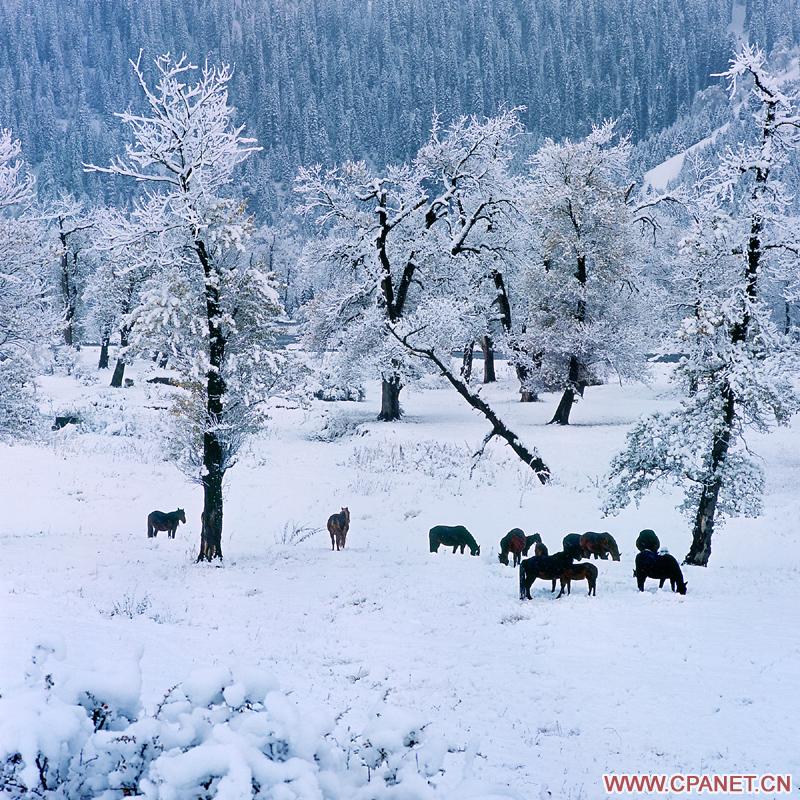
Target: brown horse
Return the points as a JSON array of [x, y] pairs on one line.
[[599, 545], [580, 572], [159, 521], [338, 525]]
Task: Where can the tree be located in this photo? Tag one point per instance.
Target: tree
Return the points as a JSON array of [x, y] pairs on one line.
[[26, 313], [739, 368], [73, 224], [384, 239], [205, 303], [583, 314]]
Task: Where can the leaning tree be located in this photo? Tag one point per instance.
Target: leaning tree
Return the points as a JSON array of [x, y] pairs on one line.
[[205, 304], [739, 369]]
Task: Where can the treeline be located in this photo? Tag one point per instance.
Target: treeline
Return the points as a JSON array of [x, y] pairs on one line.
[[330, 80]]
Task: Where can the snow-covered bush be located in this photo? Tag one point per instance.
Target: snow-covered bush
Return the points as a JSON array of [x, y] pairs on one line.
[[220, 734]]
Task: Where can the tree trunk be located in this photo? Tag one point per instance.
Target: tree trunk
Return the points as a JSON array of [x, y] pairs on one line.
[[119, 369], [103, 362], [576, 386], [390, 399], [466, 363], [213, 450], [489, 375], [700, 550]]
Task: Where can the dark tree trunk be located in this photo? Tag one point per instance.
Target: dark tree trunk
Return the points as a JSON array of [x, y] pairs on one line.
[[119, 369], [577, 386], [103, 362], [489, 374], [504, 304], [576, 375], [390, 399], [700, 549], [68, 289], [703, 530], [213, 449], [162, 361], [466, 362]]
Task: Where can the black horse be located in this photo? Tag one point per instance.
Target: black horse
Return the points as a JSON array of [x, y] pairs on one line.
[[549, 568], [159, 521], [661, 566], [572, 545], [453, 536], [647, 540]]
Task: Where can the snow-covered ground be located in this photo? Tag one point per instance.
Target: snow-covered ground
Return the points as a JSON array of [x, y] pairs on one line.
[[553, 693]]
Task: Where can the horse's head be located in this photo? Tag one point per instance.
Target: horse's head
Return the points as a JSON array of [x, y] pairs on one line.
[[476, 551], [182, 515], [346, 512], [503, 558], [681, 587]]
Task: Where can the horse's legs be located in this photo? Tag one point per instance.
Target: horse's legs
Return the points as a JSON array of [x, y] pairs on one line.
[[553, 587], [661, 583]]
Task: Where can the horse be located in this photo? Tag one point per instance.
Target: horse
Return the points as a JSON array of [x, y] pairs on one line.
[[517, 543], [338, 526], [579, 572], [647, 540], [572, 544], [159, 521], [545, 567], [661, 566], [454, 536], [599, 545]]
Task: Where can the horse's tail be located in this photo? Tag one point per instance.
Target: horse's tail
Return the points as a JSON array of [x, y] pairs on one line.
[[521, 581], [433, 541], [149, 526]]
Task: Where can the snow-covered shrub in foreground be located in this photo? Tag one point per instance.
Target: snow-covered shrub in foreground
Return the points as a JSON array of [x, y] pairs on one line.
[[219, 734]]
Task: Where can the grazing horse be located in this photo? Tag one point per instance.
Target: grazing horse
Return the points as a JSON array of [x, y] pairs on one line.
[[661, 566], [580, 572], [517, 543], [549, 568], [599, 545], [647, 540], [338, 525], [572, 545], [159, 521], [454, 536]]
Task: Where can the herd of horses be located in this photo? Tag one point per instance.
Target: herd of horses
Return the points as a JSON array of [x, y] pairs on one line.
[[561, 566]]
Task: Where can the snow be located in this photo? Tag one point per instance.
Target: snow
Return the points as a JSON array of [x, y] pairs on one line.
[[543, 696], [662, 175]]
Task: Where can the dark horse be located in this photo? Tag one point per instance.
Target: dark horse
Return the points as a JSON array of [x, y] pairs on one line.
[[572, 545], [647, 540], [662, 567], [599, 545], [516, 543], [338, 526], [453, 536], [580, 572], [159, 521], [549, 568]]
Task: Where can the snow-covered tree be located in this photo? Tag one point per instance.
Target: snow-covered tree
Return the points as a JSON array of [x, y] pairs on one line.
[[583, 316], [26, 319], [205, 304], [385, 236], [72, 223], [739, 369], [112, 288]]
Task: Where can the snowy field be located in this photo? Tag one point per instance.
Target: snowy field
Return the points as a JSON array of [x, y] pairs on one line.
[[545, 695]]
